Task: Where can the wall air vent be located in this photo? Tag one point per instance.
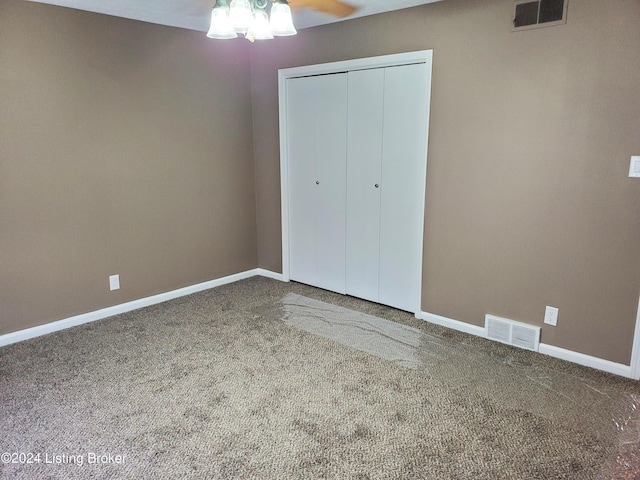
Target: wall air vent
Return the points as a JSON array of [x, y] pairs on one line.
[[512, 332], [539, 13]]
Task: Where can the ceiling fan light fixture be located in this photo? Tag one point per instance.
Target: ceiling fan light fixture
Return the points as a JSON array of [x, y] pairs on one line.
[[249, 17], [241, 15], [281, 21], [221, 26]]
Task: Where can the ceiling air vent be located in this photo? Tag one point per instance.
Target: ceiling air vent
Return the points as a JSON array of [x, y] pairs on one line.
[[539, 13], [512, 332]]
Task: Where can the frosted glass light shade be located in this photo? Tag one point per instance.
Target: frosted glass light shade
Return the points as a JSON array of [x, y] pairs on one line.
[[281, 22], [221, 26], [260, 28], [241, 15]]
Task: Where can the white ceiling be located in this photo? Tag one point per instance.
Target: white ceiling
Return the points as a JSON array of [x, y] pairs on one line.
[[195, 14]]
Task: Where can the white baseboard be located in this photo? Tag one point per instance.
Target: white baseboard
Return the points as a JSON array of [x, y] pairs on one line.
[[269, 274], [453, 324], [586, 360], [20, 335], [557, 352], [632, 371]]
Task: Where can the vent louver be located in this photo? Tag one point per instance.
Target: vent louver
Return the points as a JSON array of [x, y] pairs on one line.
[[512, 333], [542, 13]]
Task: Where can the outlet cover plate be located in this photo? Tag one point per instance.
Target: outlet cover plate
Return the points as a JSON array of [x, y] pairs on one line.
[[634, 167], [551, 316], [114, 282]]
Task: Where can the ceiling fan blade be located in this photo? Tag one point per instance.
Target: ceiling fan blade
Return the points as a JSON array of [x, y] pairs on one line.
[[332, 7]]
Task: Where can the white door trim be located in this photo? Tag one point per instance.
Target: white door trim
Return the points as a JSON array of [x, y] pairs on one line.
[[635, 351], [422, 56]]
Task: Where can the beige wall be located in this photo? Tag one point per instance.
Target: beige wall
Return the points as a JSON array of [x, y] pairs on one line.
[[528, 199], [125, 148]]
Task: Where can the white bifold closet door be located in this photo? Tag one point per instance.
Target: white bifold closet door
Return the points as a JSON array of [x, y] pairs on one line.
[[317, 133], [356, 144], [386, 174], [364, 151], [403, 185]]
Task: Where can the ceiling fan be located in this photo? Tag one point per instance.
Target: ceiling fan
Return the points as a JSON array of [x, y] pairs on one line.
[[249, 17]]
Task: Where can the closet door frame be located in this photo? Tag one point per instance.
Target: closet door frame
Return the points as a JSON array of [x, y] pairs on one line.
[[418, 57]]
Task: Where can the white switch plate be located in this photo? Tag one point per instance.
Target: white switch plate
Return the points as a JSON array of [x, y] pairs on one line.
[[114, 282], [551, 316], [634, 167]]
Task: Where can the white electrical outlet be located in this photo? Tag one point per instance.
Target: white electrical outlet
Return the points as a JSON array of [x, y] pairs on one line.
[[114, 282], [551, 316], [634, 167]]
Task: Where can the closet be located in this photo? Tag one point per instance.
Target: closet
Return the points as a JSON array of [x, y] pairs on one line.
[[355, 173]]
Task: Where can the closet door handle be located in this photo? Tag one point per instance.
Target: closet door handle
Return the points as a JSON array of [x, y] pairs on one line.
[[376, 185], [317, 182]]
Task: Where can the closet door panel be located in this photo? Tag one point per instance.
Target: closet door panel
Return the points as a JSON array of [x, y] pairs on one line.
[[317, 149], [331, 164], [301, 106], [364, 156], [402, 184]]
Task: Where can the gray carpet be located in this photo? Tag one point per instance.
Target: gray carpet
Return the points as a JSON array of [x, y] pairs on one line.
[[224, 384]]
